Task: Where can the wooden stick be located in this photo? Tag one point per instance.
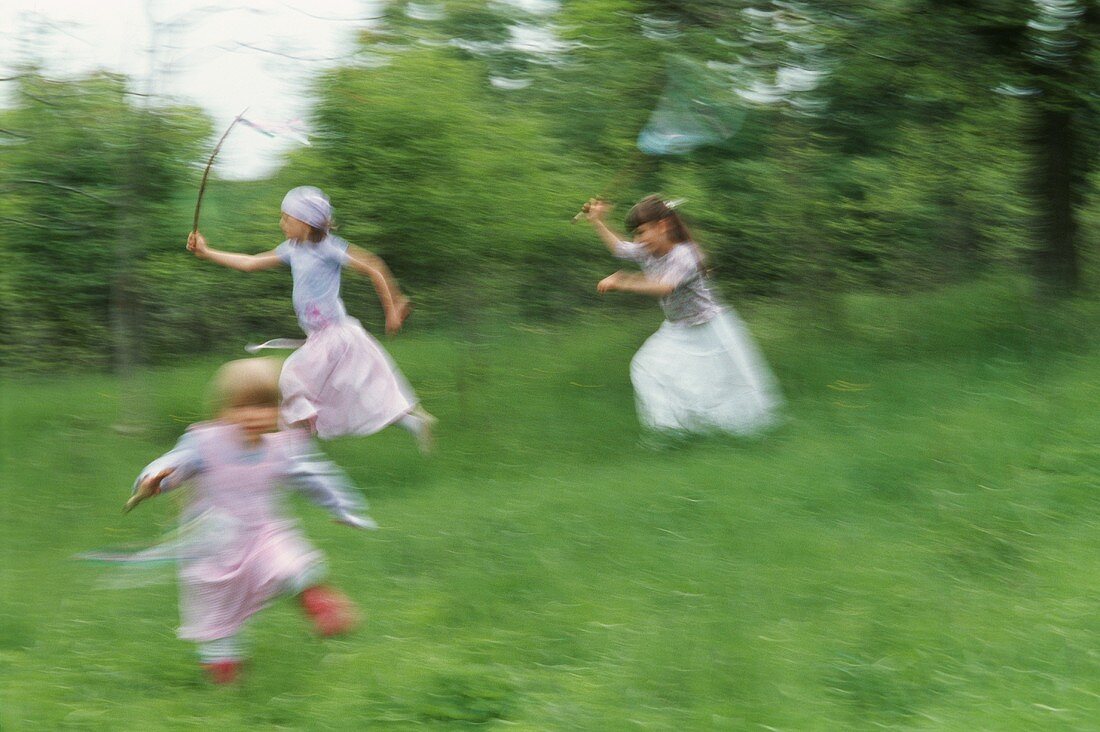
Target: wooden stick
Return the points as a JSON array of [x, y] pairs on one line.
[[210, 164]]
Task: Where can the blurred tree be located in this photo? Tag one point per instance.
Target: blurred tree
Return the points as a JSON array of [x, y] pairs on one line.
[[1049, 48], [973, 117], [87, 179], [459, 190], [891, 145]]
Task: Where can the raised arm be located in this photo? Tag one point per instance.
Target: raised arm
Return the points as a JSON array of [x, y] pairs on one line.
[[196, 243], [595, 211], [395, 305]]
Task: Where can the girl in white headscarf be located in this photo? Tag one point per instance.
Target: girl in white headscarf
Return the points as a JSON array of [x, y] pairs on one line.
[[340, 381]]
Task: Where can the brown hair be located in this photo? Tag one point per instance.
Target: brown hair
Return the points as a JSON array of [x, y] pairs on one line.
[[316, 235], [653, 208]]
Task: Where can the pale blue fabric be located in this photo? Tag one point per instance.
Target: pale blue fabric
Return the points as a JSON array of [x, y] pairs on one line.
[[183, 459], [316, 271]]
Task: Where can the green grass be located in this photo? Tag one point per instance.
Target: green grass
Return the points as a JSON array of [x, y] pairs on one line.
[[914, 549]]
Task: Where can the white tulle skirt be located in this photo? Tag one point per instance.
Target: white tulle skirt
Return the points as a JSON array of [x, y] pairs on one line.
[[704, 378], [343, 382]]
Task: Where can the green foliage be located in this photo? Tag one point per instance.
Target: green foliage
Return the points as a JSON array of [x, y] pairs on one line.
[[87, 179], [462, 136], [464, 197]]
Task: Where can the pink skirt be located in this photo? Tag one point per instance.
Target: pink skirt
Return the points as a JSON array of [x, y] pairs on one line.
[[344, 383], [235, 580]]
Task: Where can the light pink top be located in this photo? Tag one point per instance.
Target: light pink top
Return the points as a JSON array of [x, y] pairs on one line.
[[248, 550]]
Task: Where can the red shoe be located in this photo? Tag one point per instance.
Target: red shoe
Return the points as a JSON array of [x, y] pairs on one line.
[[332, 613], [222, 672]]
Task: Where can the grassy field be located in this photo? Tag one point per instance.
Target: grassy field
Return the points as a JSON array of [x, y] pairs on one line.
[[916, 548]]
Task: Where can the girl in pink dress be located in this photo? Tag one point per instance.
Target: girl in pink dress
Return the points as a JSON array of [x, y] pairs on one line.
[[340, 381], [247, 551]]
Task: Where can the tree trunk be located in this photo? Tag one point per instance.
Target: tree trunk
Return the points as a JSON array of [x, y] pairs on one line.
[[1057, 260]]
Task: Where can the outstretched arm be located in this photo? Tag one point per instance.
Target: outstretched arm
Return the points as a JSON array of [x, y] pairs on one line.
[[328, 486], [395, 305], [631, 282], [166, 472], [196, 243]]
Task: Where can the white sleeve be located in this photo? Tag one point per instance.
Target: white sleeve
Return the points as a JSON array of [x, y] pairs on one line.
[[183, 459], [629, 250], [327, 485], [680, 266]]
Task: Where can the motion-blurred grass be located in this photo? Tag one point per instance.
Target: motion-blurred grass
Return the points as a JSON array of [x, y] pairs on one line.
[[915, 549]]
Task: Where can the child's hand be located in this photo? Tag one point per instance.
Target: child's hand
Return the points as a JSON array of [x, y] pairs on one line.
[[395, 318], [611, 282], [147, 489], [596, 209], [196, 243], [357, 522]]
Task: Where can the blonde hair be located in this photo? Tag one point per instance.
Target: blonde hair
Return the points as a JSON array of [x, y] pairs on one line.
[[247, 382]]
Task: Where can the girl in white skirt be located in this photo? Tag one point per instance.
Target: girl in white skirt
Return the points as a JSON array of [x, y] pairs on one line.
[[340, 381], [700, 372]]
